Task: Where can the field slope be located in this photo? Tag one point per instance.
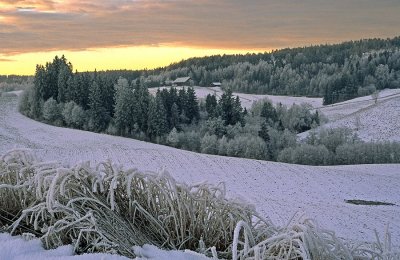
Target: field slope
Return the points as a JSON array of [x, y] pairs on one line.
[[371, 121], [278, 190]]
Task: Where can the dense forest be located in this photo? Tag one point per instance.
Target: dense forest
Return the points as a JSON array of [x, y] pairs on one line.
[[100, 103], [335, 72]]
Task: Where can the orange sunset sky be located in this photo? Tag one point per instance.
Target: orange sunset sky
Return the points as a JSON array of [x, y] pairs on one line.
[[135, 34]]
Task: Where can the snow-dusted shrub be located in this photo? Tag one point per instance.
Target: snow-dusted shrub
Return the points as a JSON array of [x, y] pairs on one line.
[[333, 137], [67, 112], [306, 154], [109, 209], [173, 138], [25, 102], [51, 111], [374, 152], [209, 144]]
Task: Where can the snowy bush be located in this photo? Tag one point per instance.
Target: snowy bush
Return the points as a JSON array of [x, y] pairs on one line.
[[109, 209], [51, 111], [306, 154]]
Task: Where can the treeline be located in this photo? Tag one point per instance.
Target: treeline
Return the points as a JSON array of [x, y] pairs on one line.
[[340, 147], [335, 72], [14, 82]]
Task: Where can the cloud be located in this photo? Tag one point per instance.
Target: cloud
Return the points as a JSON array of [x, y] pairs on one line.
[[252, 24], [6, 60]]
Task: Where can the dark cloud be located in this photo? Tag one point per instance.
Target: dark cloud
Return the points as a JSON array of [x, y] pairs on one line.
[[252, 24]]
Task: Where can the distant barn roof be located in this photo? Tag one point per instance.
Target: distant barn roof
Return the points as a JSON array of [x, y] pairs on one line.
[[216, 84], [181, 80]]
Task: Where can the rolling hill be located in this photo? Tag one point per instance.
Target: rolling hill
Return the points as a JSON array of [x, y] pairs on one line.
[[370, 121], [279, 191]]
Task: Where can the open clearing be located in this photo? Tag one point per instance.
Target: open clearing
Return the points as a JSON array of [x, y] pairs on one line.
[[277, 190], [371, 122]]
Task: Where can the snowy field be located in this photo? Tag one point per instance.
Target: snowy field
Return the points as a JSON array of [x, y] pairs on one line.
[[21, 248], [247, 100], [371, 122], [278, 190]]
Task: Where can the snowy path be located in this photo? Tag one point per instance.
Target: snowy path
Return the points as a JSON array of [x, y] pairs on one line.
[[278, 190]]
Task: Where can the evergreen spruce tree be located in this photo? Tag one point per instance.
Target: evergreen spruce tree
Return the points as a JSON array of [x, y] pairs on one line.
[[211, 104], [269, 113], [52, 71], [192, 105], [99, 116], [39, 84], [142, 104], [263, 133], [62, 83], [157, 120], [182, 101], [124, 116], [174, 118], [108, 93], [237, 113], [226, 104]]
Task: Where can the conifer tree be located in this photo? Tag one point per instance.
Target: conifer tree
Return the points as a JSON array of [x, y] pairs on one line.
[[211, 104], [263, 133], [237, 113], [174, 118], [182, 101], [39, 84], [64, 76], [269, 112], [98, 114], [141, 106], [226, 107], [124, 107], [157, 120], [192, 105]]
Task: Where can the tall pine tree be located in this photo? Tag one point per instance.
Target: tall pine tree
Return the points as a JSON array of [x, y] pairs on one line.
[[99, 117], [157, 120], [124, 107]]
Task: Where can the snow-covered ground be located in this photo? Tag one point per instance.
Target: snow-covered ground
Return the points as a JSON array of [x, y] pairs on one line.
[[278, 190], [247, 100], [348, 107], [371, 122], [24, 248]]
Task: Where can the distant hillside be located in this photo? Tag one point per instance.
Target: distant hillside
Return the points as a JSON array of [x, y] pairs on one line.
[[335, 72], [369, 120]]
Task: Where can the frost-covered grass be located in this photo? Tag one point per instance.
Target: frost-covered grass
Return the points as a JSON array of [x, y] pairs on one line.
[[109, 209]]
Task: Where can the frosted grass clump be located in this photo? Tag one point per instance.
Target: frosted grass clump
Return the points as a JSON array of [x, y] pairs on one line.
[[109, 209]]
